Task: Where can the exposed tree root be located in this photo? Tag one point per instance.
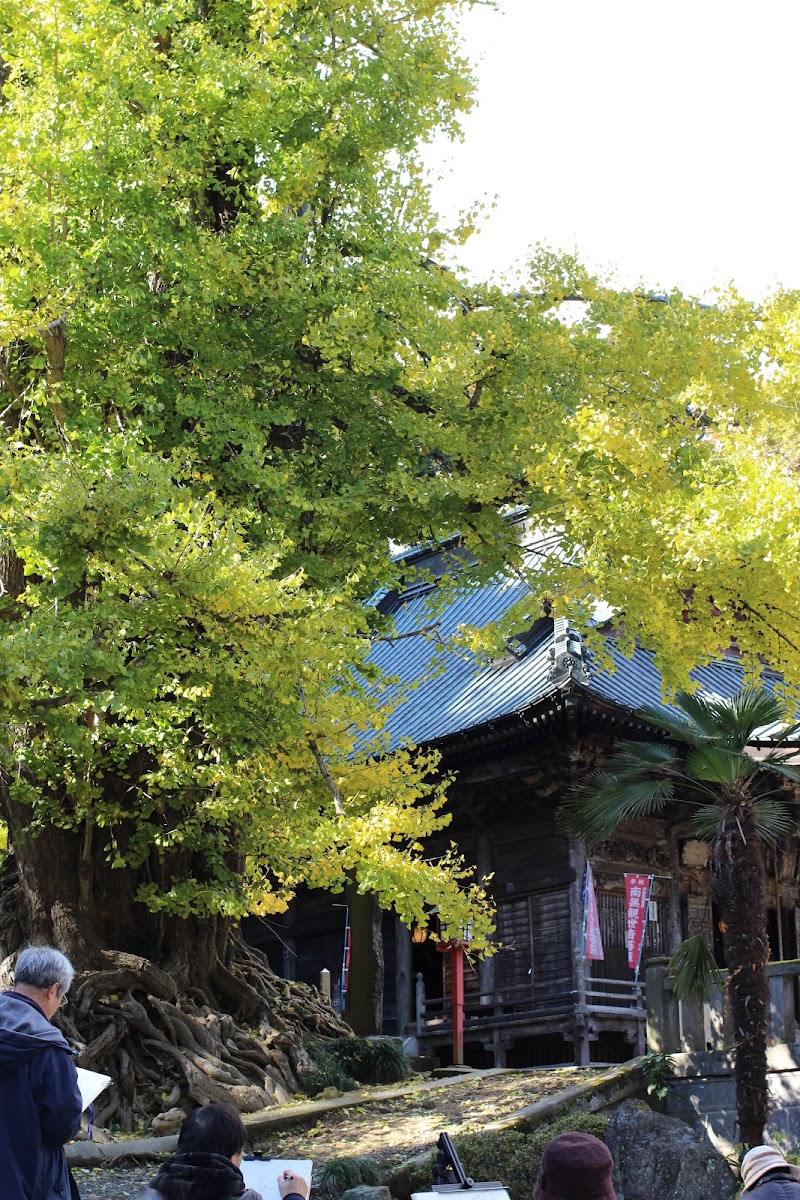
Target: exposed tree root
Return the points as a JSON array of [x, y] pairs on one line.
[[165, 1048]]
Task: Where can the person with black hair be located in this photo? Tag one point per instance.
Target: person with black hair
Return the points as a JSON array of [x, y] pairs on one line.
[[206, 1165]]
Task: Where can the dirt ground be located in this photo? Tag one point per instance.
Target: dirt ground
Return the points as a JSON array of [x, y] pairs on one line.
[[387, 1130]]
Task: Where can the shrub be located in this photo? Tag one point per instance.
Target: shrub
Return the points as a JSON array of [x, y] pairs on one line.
[[327, 1072], [340, 1174], [347, 1062], [508, 1155], [373, 1060], [657, 1070]]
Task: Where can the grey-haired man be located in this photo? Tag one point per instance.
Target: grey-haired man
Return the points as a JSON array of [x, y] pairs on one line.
[[40, 1104]]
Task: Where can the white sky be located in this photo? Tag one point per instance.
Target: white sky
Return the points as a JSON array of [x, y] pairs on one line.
[[660, 142]]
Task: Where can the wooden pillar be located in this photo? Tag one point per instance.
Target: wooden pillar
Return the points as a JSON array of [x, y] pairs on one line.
[[402, 937], [486, 973], [499, 1047], [674, 931], [577, 862], [457, 984], [288, 944], [363, 1010], [419, 1003]]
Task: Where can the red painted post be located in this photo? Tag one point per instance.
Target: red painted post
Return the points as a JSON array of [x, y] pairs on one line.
[[457, 980], [456, 947]]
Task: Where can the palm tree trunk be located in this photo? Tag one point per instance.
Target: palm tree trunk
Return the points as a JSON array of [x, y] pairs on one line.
[[738, 887]]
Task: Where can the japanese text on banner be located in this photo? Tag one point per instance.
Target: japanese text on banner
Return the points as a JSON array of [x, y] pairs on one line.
[[637, 897]]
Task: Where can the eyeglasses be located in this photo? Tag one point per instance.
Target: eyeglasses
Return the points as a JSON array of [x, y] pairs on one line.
[[63, 1000]]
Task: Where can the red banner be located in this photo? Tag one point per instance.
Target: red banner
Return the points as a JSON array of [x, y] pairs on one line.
[[637, 895], [592, 941]]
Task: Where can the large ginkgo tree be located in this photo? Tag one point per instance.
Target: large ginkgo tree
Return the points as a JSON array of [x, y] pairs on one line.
[[238, 365], [738, 802]]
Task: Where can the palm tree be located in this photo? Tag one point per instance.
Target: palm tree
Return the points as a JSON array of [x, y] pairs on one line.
[[739, 804]]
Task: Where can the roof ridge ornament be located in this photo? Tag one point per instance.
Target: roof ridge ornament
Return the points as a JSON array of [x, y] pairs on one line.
[[566, 654]]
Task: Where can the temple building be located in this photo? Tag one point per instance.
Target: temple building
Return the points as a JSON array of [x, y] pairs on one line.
[[517, 731]]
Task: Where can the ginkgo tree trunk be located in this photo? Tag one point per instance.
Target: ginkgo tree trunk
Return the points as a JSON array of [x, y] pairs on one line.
[[739, 802]]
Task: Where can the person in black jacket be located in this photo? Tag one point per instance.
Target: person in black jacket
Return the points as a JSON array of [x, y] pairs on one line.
[[206, 1165], [768, 1176], [40, 1104]]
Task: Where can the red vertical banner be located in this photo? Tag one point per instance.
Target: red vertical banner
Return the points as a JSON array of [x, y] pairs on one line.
[[592, 941], [637, 897]]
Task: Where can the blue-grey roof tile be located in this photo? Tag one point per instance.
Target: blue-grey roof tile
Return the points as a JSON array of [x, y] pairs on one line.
[[444, 691]]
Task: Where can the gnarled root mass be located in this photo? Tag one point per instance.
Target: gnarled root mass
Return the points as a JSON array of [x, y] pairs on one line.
[[166, 1048]]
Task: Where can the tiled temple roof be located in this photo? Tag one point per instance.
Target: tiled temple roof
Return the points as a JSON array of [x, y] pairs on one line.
[[448, 691]]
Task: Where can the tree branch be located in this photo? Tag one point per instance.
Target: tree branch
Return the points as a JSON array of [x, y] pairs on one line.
[[773, 628], [338, 803]]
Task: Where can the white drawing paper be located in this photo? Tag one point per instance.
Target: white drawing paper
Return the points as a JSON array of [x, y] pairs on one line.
[[474, 1193], [261, 1174], [91, 1084]]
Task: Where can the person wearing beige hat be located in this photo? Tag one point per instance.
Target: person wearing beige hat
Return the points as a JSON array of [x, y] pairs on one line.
[[767, 1175]]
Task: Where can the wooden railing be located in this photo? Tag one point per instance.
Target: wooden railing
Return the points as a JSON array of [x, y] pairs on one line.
[[613, 993], [674, 1025], [506, 1006], [530, 1003]]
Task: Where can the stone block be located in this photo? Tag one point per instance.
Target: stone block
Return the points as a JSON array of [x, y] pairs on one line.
[[658, 1156], [167, 1122], [365, 1192]]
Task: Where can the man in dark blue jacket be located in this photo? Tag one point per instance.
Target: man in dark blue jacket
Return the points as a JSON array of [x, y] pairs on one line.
[[40, 1104]]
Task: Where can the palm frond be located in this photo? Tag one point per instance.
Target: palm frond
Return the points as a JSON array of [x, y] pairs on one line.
[[748, 710], [596, 810], [678, 727], [789, 733], [694, 973], [720, 765], [640, 777], [633, 759], [774, 819], [705, 821], [729, 721], [700, 710], [776, 761]]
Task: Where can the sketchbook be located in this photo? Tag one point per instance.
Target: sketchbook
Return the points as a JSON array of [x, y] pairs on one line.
[[91, 1084], [473, 1193], [261, 1174]]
